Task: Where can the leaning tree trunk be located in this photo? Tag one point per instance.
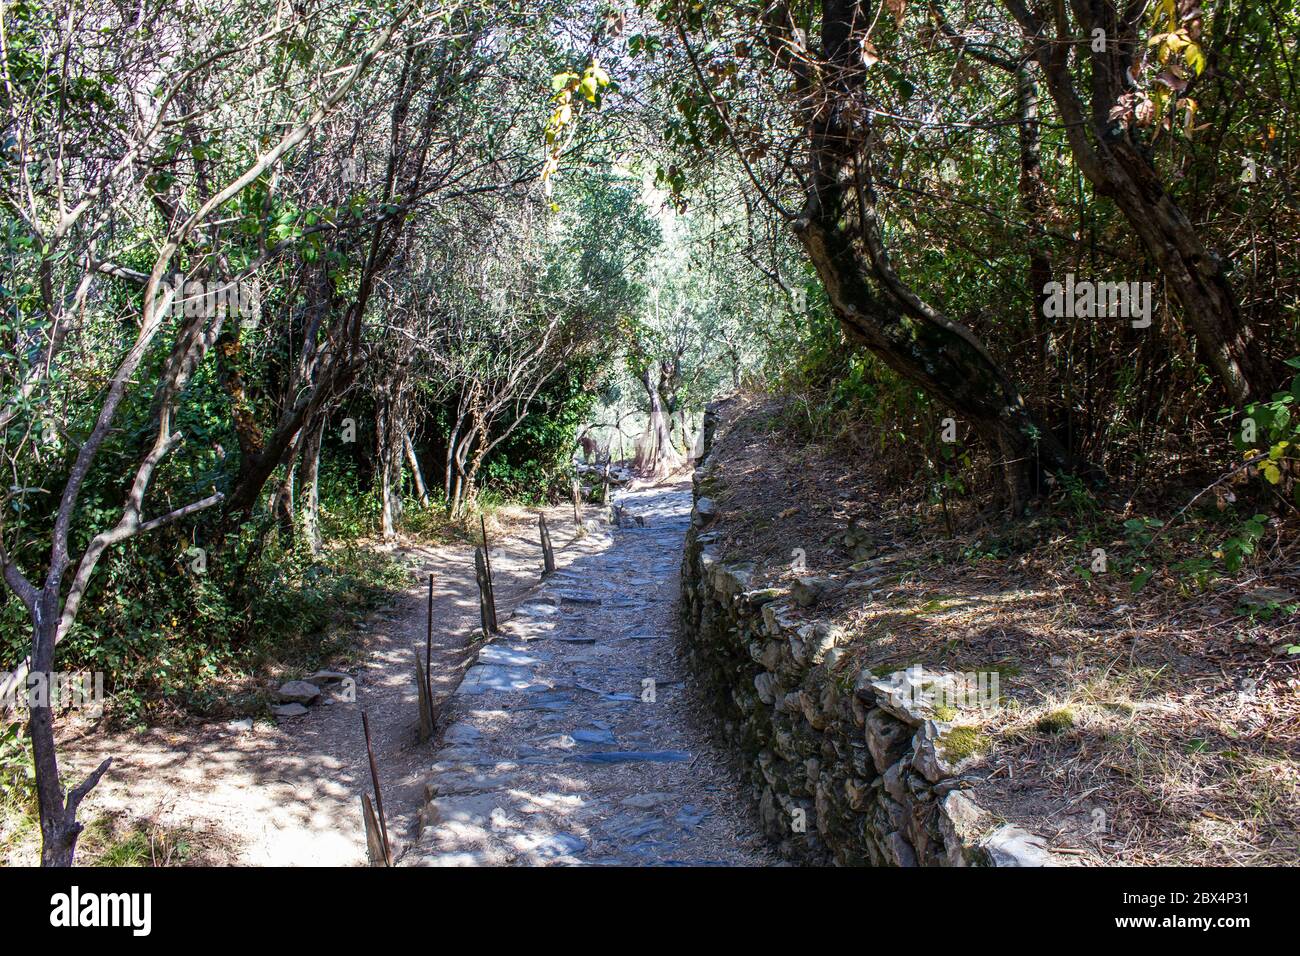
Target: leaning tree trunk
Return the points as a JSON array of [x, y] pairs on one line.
[[1034, 201], [1109, 153], [840, 230], [421, 489]]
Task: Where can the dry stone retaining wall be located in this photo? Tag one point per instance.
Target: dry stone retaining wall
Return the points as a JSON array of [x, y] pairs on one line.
[[847, 767]]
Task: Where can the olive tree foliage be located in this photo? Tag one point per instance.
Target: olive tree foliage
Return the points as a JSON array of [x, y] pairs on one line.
[[531, 293], [706, 325]]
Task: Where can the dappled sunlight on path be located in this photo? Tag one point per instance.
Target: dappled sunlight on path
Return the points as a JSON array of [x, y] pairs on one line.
[[572, 738]]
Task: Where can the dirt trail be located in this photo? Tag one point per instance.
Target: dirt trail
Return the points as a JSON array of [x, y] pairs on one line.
[[289, 794]]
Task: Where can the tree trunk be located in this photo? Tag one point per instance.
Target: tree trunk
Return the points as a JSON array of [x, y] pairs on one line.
[[311, 487], [58, 816], [461, 490], [420, 488], [656, 455], [478, 440], [1034, 204], [388, 439], [449, 472], [840, 231], [1109, 153], [282, 505]]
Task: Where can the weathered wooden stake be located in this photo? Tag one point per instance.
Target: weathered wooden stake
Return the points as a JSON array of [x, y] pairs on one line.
[[379, 798], [428, 651], [426, 701], [374, 839], [487, 562], [548, 552], [486, 613], [577, 509]]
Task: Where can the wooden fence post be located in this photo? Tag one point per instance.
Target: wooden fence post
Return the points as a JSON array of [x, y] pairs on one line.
[[487, 613], [548, 552], [428, 652], [487, 563], [374, 837], [426, 702], [385, 846]]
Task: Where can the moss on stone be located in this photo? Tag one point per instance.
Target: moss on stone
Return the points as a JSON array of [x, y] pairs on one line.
[[710, 486], [945, 713], [1056, 722], [962, 742]]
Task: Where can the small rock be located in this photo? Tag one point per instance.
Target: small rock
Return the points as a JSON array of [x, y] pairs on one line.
[[903, 853], [496, 654], [298, 692], [594, 736], [858, 793], [1011, 846], [462, 733], [482, 678], [930, 759], [692, 816], [626, 827], [288, 710], [763, 596], [327, 677], [632, 756], [579, 598], [887, 739], [807, 591], [894, 784], [912, 695]]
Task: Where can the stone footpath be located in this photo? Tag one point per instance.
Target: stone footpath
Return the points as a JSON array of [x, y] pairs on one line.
[[572, 739]]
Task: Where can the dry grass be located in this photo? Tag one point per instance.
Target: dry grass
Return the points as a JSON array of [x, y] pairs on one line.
[[1183, 730], [116, 840]]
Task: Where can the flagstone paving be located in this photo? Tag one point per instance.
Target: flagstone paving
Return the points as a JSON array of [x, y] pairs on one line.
[[573, 739]]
